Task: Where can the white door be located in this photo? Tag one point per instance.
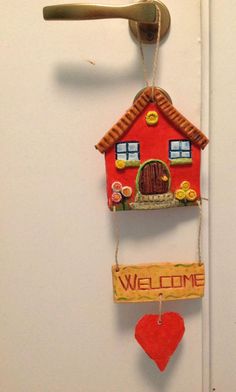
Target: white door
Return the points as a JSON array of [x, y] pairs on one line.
[[222, 191], [63, 85]]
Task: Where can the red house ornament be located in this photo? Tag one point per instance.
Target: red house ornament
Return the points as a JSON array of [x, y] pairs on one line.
[[152, 156]]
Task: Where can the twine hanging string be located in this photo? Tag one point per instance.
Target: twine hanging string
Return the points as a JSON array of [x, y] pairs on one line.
[[155, 59], [159, 321], [199, 234], [199, 237], [199, 253], [145, 73], [155, 62], [117, 234]]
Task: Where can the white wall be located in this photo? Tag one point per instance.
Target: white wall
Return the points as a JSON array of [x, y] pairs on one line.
[[60, 331]]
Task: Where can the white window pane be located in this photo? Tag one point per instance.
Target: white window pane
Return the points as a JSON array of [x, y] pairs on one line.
[[132, 147], [174, 154], [133, 156], [185, 154], [185, 145], [174, 145], [121, 157], [121, 147]]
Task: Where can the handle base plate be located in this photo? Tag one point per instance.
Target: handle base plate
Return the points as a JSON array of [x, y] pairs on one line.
[[148, 31]]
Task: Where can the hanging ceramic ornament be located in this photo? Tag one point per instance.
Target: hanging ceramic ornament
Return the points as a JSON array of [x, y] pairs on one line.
[[152, 156]]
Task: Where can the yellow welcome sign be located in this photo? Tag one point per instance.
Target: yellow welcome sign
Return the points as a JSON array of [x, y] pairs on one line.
[[145, 282]]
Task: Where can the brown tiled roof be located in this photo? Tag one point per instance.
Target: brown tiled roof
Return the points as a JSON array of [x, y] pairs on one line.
[[173, 116]]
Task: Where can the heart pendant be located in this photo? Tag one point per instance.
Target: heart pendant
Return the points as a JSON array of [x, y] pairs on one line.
[[160, 340]]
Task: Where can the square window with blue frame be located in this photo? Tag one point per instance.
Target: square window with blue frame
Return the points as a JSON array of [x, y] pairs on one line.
[[128, 151], [180, 149]]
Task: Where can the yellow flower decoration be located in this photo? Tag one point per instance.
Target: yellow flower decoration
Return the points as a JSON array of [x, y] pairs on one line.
[[191, 195], [185, 185], [185, 193], [120, 164], [152, 118], [180, 194]]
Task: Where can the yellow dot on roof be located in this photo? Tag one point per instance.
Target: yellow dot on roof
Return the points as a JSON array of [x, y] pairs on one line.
[[152, 117]]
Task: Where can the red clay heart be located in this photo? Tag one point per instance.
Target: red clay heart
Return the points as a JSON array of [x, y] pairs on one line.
[[160, 341]]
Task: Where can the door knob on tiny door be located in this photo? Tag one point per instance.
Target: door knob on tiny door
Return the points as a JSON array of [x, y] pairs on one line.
[[142, 15]]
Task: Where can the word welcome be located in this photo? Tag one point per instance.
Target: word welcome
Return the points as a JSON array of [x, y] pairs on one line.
[[134, 282], [141, 283]]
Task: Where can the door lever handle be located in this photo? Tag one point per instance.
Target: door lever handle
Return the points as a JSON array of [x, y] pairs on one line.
[[138, 12], [144, 13]]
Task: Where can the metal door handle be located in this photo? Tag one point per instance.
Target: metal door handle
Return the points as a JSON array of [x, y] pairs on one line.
[[139, 12], [145, 13]]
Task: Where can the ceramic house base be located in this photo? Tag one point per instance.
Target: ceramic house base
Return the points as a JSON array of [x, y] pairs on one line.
[[152, 157]]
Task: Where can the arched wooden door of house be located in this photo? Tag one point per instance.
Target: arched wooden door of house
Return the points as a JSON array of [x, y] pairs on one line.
[[154, 178]]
